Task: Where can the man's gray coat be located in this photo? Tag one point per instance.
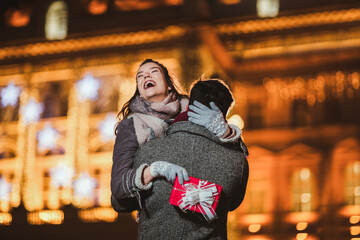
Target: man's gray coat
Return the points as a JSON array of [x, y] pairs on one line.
[[205, 157]]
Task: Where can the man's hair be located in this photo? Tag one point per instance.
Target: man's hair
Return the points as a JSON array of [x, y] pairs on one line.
[[212, 90]]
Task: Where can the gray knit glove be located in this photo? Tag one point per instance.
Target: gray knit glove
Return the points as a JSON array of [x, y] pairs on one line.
[[211, 118], [169, 171]]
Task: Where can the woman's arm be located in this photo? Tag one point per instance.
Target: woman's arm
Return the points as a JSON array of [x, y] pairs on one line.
[[123, 176]]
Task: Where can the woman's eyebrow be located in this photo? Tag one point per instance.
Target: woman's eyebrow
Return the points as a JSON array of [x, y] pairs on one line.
[[139, 73]]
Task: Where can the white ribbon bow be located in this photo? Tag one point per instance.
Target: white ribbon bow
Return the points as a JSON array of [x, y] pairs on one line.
[[201, 196]]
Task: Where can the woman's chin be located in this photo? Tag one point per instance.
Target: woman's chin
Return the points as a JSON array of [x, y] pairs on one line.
[[155, 98]]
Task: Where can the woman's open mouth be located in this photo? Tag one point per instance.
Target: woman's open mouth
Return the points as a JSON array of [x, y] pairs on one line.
[[149, 84]]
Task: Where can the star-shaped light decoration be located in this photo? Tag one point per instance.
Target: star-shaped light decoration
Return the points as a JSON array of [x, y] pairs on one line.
[[10, 95], [61, 176], [84, 186], [5, 189], [87, 88], [31, 111], [47, 138], [106, 127]]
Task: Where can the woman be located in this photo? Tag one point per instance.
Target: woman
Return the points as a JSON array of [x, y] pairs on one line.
[[155, 103]]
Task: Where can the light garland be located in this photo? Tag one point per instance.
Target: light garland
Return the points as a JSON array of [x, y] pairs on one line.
[[10, 94], [47, 138], [339, 85], [106, 127]]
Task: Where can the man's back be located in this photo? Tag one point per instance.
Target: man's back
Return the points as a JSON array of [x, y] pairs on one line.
[[205, 157]]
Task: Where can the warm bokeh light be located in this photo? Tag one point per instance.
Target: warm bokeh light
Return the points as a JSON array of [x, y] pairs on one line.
[[301, 226], [301, 236], [354, 219], [230, 2], [253, 228], [5, 218], [56, 25], [237, 120], [46, 217], [305, 174], [305, 197], [97, 7], [355, 230], [17, 17], [267, 8], [98, 214]]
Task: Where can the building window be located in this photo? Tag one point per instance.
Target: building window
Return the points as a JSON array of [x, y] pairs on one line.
[[302, 191], [56, 21], [17, 17], [131, 5], [352, 184], [97, 7], [256, 195], [300, 113], [229, 2], [267, 8], [254, 116]]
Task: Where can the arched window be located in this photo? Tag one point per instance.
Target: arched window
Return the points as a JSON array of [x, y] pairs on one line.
[[302, 190], [352, 184], [56, 21], [267, 8]]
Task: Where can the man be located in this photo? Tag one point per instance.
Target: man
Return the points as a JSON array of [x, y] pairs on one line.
[[204, 156]]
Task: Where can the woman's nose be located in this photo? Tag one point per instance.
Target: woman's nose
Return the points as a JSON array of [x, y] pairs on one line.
[[146, 75]]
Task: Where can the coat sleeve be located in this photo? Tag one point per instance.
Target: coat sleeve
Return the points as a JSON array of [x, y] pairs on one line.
[[122, 173], [239, 195]]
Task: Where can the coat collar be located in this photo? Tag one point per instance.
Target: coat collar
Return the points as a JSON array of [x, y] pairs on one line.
[[194, 129]]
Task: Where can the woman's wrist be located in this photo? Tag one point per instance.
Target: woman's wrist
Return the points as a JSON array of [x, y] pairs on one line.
[[146, 176], [228, 132]]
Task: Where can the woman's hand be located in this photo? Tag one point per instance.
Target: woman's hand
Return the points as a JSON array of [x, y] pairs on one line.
[[169, 171], [211, 118]]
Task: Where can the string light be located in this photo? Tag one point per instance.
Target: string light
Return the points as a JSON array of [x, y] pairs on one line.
[[5, 189], [84, 186], [10, 95], [47, 138], [31, 111], [312, 89], [106, 127], [87, 88], [61, 176]]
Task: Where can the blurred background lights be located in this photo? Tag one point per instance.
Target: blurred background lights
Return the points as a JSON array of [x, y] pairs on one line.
[[305, 197], [253, 228], [47, 138], [5, 218], [56, 25], [354, 219], [87, 88], [61, 176], [301, 226], [305, 174], [301, 236], [355, 230], [237, 120], [357, 167], [267, 8], [31, 111], [357, 191], [84, 186], [107, 126], [5, 189], [10, 95]]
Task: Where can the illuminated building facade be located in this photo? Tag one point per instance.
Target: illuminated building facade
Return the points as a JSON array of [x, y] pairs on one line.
[[66, 68]]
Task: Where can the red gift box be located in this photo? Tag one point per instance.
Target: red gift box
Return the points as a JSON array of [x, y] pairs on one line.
[[196, 195]]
